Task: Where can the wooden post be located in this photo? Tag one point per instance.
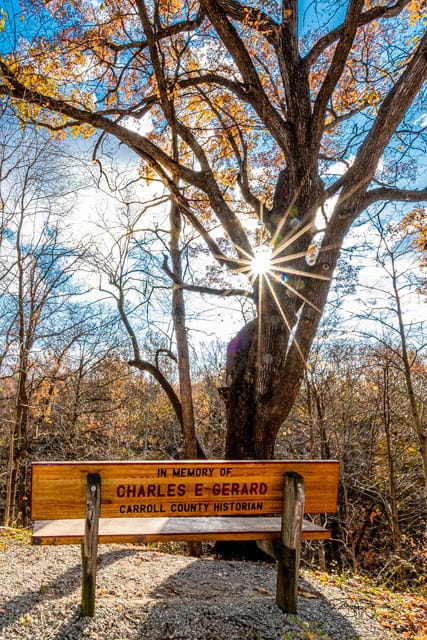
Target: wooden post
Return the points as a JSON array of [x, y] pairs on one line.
[[288, 563], [90, 543]]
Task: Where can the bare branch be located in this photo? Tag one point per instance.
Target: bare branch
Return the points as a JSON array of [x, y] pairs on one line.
[[251, 81], [166, 32], [337, 66], [390, 193], [368, 16], [144, 365], [223, 293], [390, 113]]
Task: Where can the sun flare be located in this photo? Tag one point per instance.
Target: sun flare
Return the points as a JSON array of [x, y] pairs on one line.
[[274, 265], [261, 261]]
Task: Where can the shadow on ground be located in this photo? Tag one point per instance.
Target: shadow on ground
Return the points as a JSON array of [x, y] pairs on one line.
[[201, 599]]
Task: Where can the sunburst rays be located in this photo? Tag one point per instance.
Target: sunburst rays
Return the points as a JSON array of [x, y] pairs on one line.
[[268, 270], [261, 262]]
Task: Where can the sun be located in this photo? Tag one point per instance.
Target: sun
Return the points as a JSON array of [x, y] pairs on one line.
[[260, 263]]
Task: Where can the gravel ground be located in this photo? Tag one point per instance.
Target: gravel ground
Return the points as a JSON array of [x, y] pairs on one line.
[[144, 594]]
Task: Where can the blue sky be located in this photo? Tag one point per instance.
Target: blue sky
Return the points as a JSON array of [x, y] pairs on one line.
[[312, 15]]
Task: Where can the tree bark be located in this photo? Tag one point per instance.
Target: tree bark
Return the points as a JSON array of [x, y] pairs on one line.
[[16, 509], [178, 316]]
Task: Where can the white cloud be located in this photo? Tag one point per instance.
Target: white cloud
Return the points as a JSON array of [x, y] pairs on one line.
[[421, 120], [325, 212], [143, 126]]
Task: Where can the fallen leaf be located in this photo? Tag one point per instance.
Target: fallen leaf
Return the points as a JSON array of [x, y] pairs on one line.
[[308, 594]]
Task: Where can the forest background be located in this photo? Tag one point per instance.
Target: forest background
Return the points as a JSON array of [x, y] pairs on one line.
[[242, 158]]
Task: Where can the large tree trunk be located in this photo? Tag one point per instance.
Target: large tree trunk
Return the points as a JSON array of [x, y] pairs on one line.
[[255, 398], [254, 407], [266, 360]]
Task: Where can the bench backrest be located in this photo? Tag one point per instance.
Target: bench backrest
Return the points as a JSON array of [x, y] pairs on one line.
[[212, 488]]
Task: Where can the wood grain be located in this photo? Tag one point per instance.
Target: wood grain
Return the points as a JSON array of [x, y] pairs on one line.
[[292, 522], [90, 544], [142, 530], [179, 489]]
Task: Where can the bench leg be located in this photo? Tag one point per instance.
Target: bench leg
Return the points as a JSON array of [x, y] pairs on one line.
[[90, 544], [288, 562], [286, 551], [287, 582], [287, 573]]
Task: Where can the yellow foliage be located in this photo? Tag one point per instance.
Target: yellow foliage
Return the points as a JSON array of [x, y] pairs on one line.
[[415, 224], [417, 11], [84, 130], [94, 62], [3, 18]]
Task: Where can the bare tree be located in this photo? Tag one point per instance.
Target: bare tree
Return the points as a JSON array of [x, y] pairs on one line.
[[36, 272], [393, 324]]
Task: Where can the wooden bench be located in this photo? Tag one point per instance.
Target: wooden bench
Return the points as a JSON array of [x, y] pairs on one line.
[[140, 502]]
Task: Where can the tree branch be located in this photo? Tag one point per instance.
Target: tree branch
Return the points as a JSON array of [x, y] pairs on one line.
[[144, 365], [224, 293], [138, 143], [336, 67], [202, 289], [167, 352], [368, 16], [167, 32], [390, 193], [261, 21], [255, 94], [390, 113]]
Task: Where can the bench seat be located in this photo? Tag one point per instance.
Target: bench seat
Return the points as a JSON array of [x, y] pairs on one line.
[[141, 530]]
